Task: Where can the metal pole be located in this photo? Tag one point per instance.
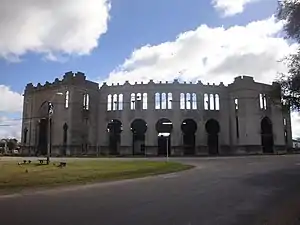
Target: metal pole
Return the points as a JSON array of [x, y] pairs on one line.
[[50, 112], [49, 139], [167, 149]]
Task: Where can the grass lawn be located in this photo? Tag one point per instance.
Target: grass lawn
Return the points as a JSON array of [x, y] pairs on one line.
[[14, 178]]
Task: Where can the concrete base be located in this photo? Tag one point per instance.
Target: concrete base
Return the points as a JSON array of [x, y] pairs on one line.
[[126, 150], [246, 150], [151, 150], [94, 151]]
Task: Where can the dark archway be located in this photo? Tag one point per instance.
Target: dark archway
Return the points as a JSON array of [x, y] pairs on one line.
[[114, 129], [189, 128], [267, 140], [65, 139], [25, 135], [164, 129], [43, 129], [212, 128], [138, 128], [43, 137]]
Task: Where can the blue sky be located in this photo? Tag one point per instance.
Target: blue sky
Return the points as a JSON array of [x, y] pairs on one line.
[[132, 25]]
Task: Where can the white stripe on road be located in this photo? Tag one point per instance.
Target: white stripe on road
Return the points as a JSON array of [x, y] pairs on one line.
[[170, 176]]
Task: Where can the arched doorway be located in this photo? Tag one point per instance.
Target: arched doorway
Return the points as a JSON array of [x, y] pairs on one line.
[[267, 140], [138, 128], [43, 129], [164, 129], [65, 139], [43, 136], [212, 128], [114, 129], [189, 128]]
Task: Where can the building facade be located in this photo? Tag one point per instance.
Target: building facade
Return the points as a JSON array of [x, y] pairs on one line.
[[154, 118]]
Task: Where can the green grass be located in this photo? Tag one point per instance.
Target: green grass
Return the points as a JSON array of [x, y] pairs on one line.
[[14, 178]]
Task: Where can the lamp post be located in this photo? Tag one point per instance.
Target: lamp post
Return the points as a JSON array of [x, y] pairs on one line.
[[50, 113]]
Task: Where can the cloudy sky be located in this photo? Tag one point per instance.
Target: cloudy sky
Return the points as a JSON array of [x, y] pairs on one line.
[[117, 40]]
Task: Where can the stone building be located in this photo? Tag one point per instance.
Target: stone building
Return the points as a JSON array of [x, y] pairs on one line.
[[244, 117]]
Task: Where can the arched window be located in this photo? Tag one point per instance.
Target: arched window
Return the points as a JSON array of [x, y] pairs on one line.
[[182, 101], [206, 101], [285, 137], [138, 96], [163, 101], [217, 102], [157, 101], [211, 102], [261, 101], [67, 99], [115, 102], [194, 101], [170, 99], [237, 127], [120, 102], [236, 104], [188, 101], [132, 101], [86, 101], [65, 135], [25, 135], [145, 101], [265, 102], [109, 100]]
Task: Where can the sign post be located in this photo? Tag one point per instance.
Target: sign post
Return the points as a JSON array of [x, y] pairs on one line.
[[167, 139]]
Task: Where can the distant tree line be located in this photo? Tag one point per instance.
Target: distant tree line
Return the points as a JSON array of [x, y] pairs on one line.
[[9, 143]]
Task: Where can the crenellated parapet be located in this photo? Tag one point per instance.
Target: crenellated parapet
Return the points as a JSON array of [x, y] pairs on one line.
[[151, 85], [244, 78], [69, 79]]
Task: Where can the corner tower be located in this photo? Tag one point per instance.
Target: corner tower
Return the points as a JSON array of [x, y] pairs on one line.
[[71, 126]]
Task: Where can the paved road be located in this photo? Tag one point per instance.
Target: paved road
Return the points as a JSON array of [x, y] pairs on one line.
[[240, 190]]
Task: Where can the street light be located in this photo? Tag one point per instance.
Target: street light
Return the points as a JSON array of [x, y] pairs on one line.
[[50, 113]]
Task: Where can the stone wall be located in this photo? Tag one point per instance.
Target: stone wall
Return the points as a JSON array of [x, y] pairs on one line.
[[240, 127]]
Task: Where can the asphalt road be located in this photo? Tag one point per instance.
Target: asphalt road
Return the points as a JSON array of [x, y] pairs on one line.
[[239, 190]]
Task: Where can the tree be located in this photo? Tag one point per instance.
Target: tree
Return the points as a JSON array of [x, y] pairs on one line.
[[11, 143], [289, 12]]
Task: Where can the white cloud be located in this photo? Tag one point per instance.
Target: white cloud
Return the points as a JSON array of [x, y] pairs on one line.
[[10, 101], [210, 54], [10, 128], [231, 7], [54, 28]]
